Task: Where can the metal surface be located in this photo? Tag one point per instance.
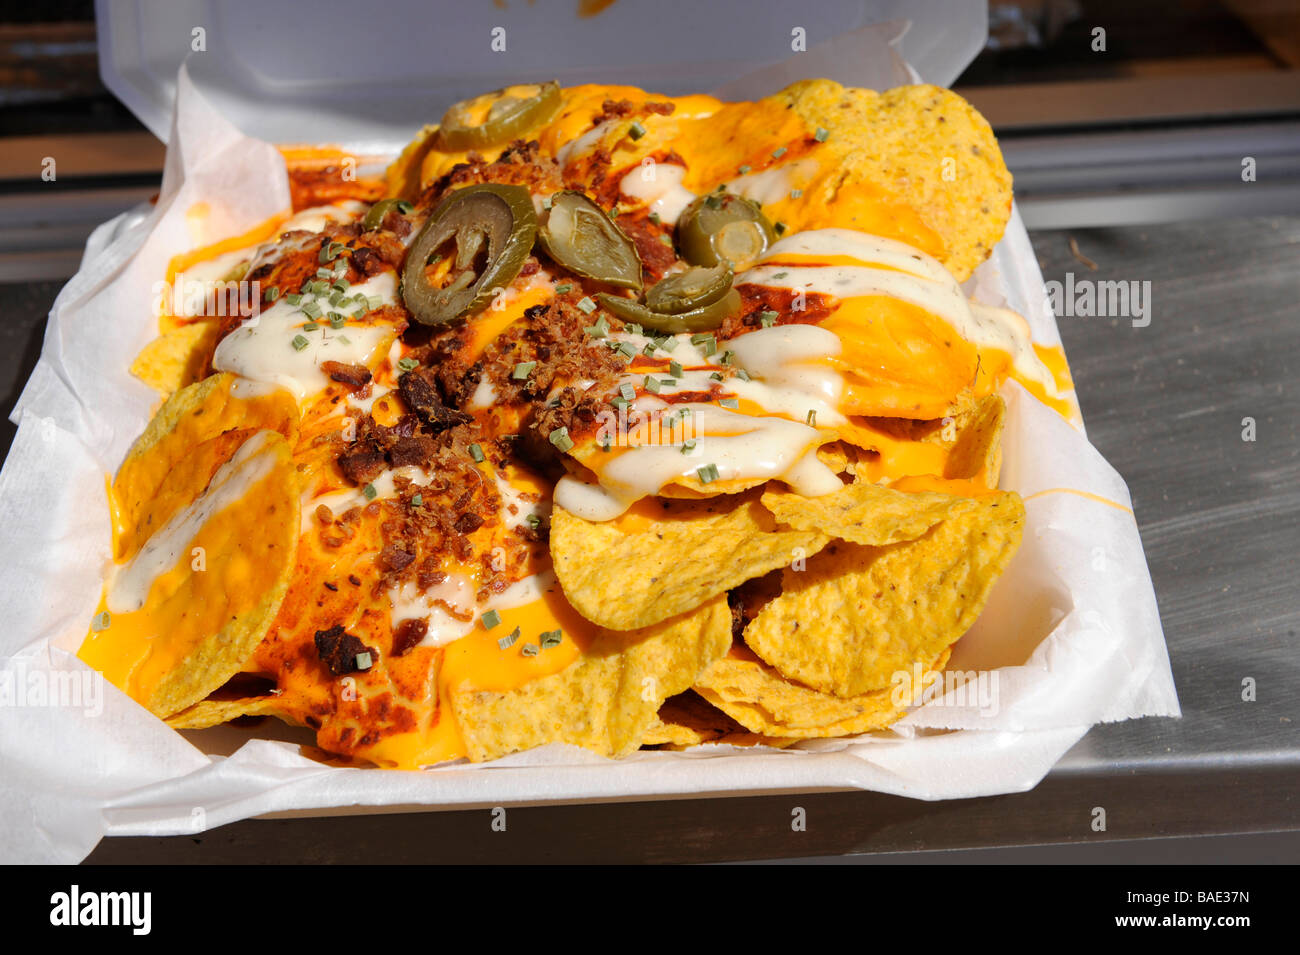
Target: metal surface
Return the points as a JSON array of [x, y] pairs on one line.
[[1219, 519]]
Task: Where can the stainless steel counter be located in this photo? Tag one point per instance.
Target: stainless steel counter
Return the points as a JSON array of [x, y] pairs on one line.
[[1219, 518]]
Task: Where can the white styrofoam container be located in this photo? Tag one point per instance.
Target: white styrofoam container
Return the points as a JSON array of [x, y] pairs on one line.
[[372, 72]]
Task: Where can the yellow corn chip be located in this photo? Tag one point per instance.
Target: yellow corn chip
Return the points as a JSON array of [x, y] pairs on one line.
[[864, 513], [976, 455], [665, 557], [607, 699], [858, 615], [175, 358], [204, 614], [924, 147], [763, 701], [206, 713]]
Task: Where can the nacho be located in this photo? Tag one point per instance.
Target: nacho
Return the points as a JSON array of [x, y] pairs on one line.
[[858, 615], [765, 702], [605, 701], [669, 557], [182, 616]]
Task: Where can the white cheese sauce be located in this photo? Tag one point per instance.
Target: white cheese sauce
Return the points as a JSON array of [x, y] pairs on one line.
[[263, 348]]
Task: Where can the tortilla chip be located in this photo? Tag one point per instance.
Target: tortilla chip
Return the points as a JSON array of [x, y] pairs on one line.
[[176, 357], [922, 146], [763, 701], [976, 455], [665, 557], [190, 417], [607, 699], [205, 615], [687, 720], [864, 513], [858, 615], [207, 713]]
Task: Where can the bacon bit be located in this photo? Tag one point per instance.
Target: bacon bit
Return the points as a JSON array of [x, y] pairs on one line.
[[421, 396], [354, 580], [324, 514], [354, 375], [468, 522], [362, 466], [331, 586], [417, 450], [394, 558], [408, 635], [339, 650]]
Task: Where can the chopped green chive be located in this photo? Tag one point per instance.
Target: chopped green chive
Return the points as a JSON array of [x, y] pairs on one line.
[[523, 369], [636, 131], [767, 318], [654, 217], [369, 492], [476, 453], [779, 228], [407, 364], [344, 340], [546, 203], [299, 342], [688, 446], [716, 376], [668, 344], [652, 385], [101, 621], [374, 301], [529, 650], [665, 239], [796, 193], [605, 441], [742, 374], [491, 619], [323, 255], [293, 298], [743, 170], [627, 391], [708, 474], [675, 369], [650, 348], [334, 316], [727, 357], [560, 438], [342, 285], [551, 638], [778, 152], [615, 212], [508, 641], [812, 417], [779, 275], [713, 202], [626, 350], [417, 500], [562, 289], [325, 273], [618, 401], [732, 403], [535, 520], [313, 310], [272, 294], [586, 304], [336, 299], [310, 327], [337, 321], [364, 661], [821, 135], [632, 328], [404, 207]]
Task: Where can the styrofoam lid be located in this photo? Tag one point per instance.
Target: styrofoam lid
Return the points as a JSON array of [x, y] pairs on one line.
[[371, 71]]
